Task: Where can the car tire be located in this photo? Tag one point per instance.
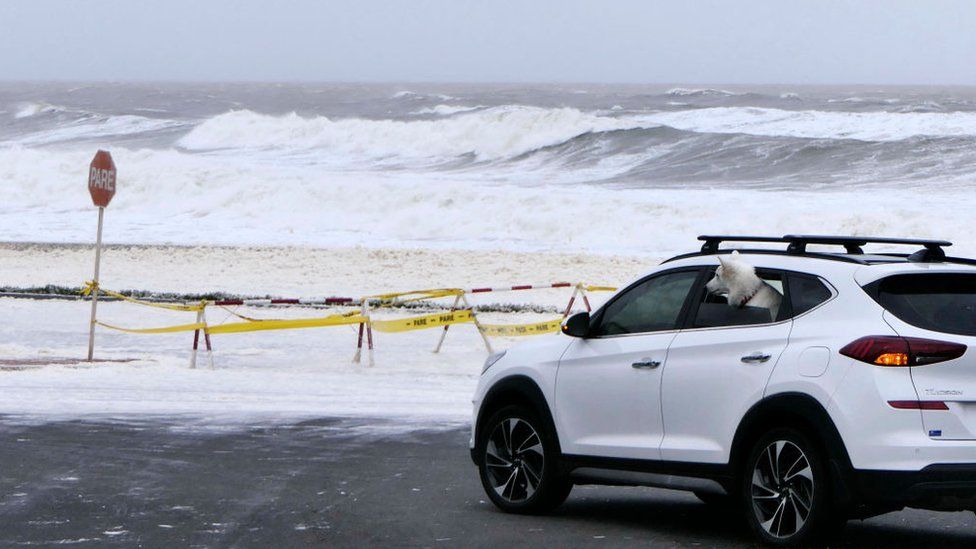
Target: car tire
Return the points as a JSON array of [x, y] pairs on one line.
[[519, 463], [785, 490]]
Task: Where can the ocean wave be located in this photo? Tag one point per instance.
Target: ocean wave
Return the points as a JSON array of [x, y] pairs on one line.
[[693, 92], [407, 94], [701, 142], [488, 134], [217, 200], [29, 109], [446, 110], [811, 124], [92, 126]]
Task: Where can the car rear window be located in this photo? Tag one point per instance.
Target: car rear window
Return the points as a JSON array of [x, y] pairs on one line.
[[940, 302]]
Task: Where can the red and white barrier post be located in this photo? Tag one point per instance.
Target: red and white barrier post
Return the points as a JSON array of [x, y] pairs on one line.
[[201, 319], [437, 349], [368, 329]]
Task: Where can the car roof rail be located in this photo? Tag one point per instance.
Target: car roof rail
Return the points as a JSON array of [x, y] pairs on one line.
[[711, 242], [931, 251]]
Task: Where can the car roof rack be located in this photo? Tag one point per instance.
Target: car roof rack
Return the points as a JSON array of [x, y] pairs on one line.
[[931, 251], [711, 242]]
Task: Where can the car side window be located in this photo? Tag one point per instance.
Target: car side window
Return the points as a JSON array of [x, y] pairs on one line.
[[762, 306], [806, 292], [651, 306]]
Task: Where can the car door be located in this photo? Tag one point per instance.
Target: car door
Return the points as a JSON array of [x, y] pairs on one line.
[[608, 385], [718, 367]]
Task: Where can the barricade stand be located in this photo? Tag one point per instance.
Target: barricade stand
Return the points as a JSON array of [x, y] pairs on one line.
[[196, 342], [367, 327], [572, 299], [201, 319], [206, 337], [457, 299], [580, 289], [474, 318]]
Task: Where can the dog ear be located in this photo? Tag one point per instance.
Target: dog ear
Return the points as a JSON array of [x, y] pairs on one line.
[[721, 261], [735, 253]]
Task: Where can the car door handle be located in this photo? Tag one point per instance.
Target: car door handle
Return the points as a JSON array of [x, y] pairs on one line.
[[756, 358], [646, 364]]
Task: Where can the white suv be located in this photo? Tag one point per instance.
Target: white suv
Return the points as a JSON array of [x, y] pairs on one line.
[[856, 398]]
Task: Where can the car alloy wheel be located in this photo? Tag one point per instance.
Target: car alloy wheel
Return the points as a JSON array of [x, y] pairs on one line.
[[782, 489], [515, 460]]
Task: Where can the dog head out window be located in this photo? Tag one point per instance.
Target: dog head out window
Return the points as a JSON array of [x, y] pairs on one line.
[[738, 294]]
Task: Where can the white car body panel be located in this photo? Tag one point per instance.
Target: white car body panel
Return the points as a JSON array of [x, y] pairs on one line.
[[707, 388], [606, 407]]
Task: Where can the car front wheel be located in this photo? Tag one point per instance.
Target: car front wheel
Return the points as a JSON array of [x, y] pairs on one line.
[[519, 462]]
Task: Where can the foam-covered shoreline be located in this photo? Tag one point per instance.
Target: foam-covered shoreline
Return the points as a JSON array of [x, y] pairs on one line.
[[307, 272], [262, 377]]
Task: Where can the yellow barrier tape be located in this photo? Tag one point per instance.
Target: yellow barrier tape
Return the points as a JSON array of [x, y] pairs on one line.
[[599, 288], [424, 322], [516, 330], [254, 319], [163, 330], [249, 326], [91, 285], [419, 294], [261, 325]]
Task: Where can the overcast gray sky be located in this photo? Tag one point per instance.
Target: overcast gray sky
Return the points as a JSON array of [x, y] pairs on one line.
[[743, 41]]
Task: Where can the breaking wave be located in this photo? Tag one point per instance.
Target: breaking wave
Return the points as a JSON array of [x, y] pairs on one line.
[[172, 197], [513, 130], [495, 133], [810, 124]]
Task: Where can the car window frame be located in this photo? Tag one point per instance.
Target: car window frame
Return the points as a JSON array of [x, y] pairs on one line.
[[689, 324], [597, 317], [699, 294]]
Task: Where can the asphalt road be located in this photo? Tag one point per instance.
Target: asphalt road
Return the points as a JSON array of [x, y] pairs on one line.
[[337, 483]]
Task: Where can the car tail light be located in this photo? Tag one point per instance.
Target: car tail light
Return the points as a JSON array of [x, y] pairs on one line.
[[902, 351]]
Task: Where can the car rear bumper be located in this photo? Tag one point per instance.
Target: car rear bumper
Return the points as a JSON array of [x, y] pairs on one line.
[[941, 486]]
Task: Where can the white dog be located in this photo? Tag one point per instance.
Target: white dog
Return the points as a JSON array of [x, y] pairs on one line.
[[738, 280]]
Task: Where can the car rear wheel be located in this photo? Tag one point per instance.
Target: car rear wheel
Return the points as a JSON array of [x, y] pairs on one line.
[[519, 462], [785, 490]]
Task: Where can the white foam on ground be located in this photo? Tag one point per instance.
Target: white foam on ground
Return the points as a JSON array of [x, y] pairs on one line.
[[315, 272], [259, 378]]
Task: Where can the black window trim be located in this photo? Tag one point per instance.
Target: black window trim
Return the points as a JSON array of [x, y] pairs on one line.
[[699, 282]]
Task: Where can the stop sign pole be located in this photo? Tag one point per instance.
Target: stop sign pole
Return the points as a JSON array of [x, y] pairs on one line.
[[101, 186]]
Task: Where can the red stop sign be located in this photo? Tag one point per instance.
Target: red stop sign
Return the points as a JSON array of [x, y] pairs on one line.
[[101, 179]]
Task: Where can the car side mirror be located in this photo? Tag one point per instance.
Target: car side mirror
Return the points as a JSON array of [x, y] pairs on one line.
[[577, 325]]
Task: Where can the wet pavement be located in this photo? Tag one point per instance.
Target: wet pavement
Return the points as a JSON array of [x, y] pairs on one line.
[[337, 483]]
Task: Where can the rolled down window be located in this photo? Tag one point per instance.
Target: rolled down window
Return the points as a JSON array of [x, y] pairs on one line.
[[941, 302]]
